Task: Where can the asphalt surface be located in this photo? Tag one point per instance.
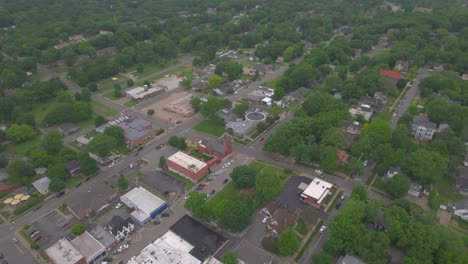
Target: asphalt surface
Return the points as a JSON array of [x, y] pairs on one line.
[[410, 94]]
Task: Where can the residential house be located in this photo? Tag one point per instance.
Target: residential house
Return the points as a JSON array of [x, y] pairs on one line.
[[342, 157], [68, 128], [280, 59], [462, 180], [350, 260], [461, 209], [121, 228], [42, 185], [422, 128], [106, 51], [351, 131], [375, 103], [402, 66], [279, 218], [40, 171], [215, 148], [392, 76], [363, 110], [423, 9], [315, 192], [415, 189], [80, 59], [383, 98], [73, 167], [260, 69], [3, 174], [296, 95], [105, 32]]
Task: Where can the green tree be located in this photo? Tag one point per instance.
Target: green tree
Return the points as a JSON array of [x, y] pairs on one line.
[[102, 145], [397, 186], [78, 229], [214, 81], [267, 186], [243, 176], [150, 112], [82, 111], [130, 83], [162, 162], [322, 257], [116, 132], [140, 68], [359, 193], [177, 142], [56, 185], [40, 158], [240, 109], [85, 95], [20, 171], [123, 182], [422, 161], [196, 203], [236, 214], [288, 242], [99, 120], [92, 87], [230, 258], [87, 164], [20, 133], [195, 102], [52, 143], [211, 107]]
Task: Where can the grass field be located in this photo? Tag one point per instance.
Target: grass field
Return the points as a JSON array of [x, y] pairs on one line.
[[181, 70], [103, 110], [210, 127], [262, 167], [229, 192], [301, 227]]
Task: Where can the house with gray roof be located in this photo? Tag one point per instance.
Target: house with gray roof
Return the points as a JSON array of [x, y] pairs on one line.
[[422, 128], [42, 185], [350, 260], [103, 236], [137, 131], [461, 209]]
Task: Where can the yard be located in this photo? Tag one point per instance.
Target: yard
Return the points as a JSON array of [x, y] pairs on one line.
[[103, 110], [197, 154], [229, 192], [211, 127], [262, 167], [181, 70]]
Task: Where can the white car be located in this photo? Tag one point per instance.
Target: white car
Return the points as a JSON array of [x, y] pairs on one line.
[[264, 219], [365, 163], [322, 229], [118, 205], [125, 246], [394, 114], [319, 172], [111, 165]]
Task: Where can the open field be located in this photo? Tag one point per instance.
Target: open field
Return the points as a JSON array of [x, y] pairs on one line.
[[162, 114], [211, 127]]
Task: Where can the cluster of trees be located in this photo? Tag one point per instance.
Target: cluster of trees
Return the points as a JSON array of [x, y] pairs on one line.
[[68, 111], [177, 142], [446, 83], [408, 228], [231, 69], [112, 138], [315, 134], [235, 215]]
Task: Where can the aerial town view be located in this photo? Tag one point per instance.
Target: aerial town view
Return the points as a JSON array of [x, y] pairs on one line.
[[233, 131]]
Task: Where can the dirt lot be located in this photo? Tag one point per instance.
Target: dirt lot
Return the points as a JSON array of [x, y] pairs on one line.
[[164, 115], [171, 82]]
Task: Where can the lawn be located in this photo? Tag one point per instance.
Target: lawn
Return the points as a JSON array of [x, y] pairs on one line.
[[301, 227], [72, 181], [307, 243], [181, 70], [262, 167], [446, 190], [102, 109], [151, 68], [130, 103], [195, 153], [111, 95], [211, 127], [26, 147], [229, 192]]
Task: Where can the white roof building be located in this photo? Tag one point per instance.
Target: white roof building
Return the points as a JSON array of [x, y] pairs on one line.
[[145, 203], [138, 93], [64, 252], [317, 190], [89, 246], [168, 249], [187, 162]]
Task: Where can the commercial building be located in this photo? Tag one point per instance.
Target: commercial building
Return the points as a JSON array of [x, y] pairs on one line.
[[139, 93], [120, 228], [187, 166], [137, 131], [215, 148], [145, 204], [89, 247], [103, 236], [168, 249], [63, 252], [315, 192], [244, 127]]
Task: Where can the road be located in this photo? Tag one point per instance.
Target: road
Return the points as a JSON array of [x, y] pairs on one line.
[[406, 101]]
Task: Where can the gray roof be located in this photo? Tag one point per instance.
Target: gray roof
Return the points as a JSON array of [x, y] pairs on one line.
[[298, 93], [42, 185], [422, 120], [68, 127], [103, 236], [136, 128], [350, 260], [117, 223], [461, 204], [40, 171], [72, 165], [3, 174]]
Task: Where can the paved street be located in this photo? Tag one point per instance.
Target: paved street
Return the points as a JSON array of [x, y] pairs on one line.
[[408, 97]]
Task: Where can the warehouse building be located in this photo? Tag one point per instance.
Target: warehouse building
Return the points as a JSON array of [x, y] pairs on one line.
[[145, 204]]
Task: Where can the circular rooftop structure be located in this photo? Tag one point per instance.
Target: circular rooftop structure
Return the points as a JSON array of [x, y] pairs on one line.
[[255, 116]]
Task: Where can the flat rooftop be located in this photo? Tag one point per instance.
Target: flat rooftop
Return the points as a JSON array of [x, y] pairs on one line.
[[188, 162], [63, 252], [318, 189], [144, 201], [88, 246], [141, 92], [136, 128], [168, 249]]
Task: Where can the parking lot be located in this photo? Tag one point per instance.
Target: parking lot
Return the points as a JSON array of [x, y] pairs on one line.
[[52, 227], [290, 197], [162, 182]]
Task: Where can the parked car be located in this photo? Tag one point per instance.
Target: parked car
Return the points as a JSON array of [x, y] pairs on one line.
[[365, 163], [209, 179], [199, 188], [140, 148], [165, 215], [160, 146], [60, 193], [78, 185], [322, 229], [212, 192], [157, 222], [318, 171], [119, 205], [201, 185], [225, 181], [264, 220]]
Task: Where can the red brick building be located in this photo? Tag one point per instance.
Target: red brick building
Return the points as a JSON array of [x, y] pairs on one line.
[[137, 131], [315, 192], [392, 76], [188, 166], [215, 148]]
